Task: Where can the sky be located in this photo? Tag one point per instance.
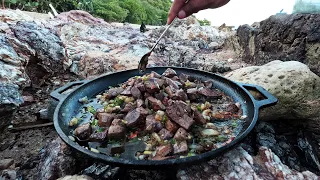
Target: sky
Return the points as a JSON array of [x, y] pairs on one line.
[[238, 12]]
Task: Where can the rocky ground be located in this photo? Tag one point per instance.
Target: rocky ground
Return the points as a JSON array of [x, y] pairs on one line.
[[39, 54]]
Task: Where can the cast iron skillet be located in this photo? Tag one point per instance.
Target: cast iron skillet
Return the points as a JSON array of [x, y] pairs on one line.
[[69, 106]]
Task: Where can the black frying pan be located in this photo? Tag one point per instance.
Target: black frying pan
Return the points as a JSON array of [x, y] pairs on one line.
[[69, 106]]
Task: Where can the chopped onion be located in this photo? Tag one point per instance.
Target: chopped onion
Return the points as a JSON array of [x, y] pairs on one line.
[[94, 150], [209, 132]]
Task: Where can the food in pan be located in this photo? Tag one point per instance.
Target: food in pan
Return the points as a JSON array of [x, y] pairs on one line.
[[157, 117]]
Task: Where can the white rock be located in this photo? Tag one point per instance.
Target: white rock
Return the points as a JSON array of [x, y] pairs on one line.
[[295, 86]]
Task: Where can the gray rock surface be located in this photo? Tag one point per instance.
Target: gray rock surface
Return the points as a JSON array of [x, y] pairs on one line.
[[293, 37], [295, 86]]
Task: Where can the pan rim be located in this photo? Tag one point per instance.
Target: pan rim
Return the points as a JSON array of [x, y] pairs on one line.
[[156, 163]]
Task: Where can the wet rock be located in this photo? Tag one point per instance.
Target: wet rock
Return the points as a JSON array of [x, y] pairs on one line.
[[56, 161], [238, 164], [49, 48], [286, 37], [100, 171], [10, 99], [8, 175], [76, 177], [295, 86], [5, 163]]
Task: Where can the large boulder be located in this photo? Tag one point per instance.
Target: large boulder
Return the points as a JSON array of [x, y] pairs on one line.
[[294, 37], [295, 86]]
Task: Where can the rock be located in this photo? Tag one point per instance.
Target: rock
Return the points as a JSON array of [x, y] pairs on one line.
[[75, 177], [292, 37], [100, 171], [6, 163], [43, 114], [95, 63], [238, 164], [78, 16], [10, 99], [8, 175], [49, 48], [56, 161], [295, 86]]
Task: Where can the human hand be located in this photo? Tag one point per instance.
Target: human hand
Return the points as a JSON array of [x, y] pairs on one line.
[[182, 10]]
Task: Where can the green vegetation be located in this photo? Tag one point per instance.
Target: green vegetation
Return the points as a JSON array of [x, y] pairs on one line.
[[152, 12], [302, 6], [204, 22]]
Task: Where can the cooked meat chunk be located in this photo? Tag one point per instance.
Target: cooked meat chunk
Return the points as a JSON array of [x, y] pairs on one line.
[[172, 83], [141, 87], [127, 91], [156, 104], [113, 92], [169, 73], [165, 134], [171, 126], [140, 103], [135, 116], [146, 95], [119, 116], [99, 136], [83, 131], [169, 91], [183, 77], [183, 105], [105, 119], [181, 135], [131, 81], [198, 118], [180, 95], [135, 92], [164, 150], [209, 93], [160, 82], [189, 84], [128, 107], [180, 147], [208, 84], [152, 125], [117, 149], [116, 130], [155, 75], [233, 108], [193, 93], [176, 78], [179, 115], [152, 85], [159, 96]]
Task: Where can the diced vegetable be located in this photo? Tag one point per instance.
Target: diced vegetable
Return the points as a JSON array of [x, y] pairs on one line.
[[73, 122], [84, 100], [209, 132]]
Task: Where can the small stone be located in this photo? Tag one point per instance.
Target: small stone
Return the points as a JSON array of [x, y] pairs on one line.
[[8, 175], [5, 163], [230, 60], [43, 113]]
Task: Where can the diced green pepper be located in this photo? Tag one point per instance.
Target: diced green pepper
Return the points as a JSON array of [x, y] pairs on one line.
[[91, 110], [94, 122]]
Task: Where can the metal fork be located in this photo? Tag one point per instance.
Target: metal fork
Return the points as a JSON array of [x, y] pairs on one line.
[[144, 60]]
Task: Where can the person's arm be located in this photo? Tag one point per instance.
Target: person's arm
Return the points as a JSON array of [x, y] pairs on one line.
[[182, 10]]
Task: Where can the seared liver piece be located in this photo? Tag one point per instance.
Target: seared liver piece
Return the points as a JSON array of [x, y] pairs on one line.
[[183, 77], [113, 92], [99, 136], [135, 116], [83, 131], [198, 118], [116, 130], [141, 87], [135, 92], [131, 81], [151, 85], [128, 107], [183, 105], [127, 91], [170, 91], [192, 93], [172, 83], [180, 95], [160, 82], [154, 74], [180, 147], [169, 73], [165, 134], [171, 126], [164, 150], [152, 125], [140, 103], [105, 119], [232, 108], [159, 96], [181, 135], [209, 93], [179, 115], [119, 116], [156, 104]]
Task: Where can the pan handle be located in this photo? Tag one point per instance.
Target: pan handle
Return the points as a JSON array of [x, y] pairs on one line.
[[269, 98], [57, 94]]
